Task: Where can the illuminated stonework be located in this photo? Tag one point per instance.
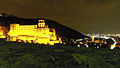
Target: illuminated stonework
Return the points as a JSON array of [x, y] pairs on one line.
[[3, 31], [40, 34]]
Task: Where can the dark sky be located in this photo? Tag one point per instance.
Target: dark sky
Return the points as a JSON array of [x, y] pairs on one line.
[[86, 16]]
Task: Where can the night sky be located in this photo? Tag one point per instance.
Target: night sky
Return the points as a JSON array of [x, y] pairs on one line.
[[85, 16]]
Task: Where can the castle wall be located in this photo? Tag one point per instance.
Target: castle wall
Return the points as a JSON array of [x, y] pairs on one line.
[[33, 33]]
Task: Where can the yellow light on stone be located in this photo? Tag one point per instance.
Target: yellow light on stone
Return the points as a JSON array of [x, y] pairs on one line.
[[39, 34]]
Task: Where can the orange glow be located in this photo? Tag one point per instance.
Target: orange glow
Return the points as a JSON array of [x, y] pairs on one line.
[[40, 33], [92, 38], [3, 31]]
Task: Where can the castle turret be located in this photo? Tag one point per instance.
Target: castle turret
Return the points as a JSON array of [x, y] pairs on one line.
[[41, 23]]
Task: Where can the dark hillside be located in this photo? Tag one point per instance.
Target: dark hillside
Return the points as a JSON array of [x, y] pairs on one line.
[[61, 30]]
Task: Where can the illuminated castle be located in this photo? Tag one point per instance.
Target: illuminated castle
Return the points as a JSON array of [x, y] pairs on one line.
[[40, 33]]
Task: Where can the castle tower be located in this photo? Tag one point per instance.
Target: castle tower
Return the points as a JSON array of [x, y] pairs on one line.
[[41, 23], [14, 26]]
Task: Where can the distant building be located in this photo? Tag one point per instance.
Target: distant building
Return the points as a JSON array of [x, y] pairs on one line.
[[101, 35]]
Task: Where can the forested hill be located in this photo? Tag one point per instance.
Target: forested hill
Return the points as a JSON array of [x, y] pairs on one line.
[[63, 31]]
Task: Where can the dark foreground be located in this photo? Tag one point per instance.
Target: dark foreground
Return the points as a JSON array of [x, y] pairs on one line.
[[20, 55]]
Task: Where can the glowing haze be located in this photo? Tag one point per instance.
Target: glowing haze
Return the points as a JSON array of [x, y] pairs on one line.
[[86, 16]]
